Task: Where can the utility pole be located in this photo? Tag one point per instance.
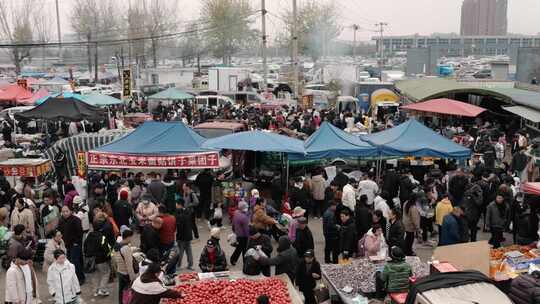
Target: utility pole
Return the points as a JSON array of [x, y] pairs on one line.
[[58, 29], [263, 50], [355, 28], [295, 47], [89, 54], [381, 26], [96, 65]]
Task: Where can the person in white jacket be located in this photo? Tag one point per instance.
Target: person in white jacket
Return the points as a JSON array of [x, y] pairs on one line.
[[348, 198], [62, 280], [21, 282]]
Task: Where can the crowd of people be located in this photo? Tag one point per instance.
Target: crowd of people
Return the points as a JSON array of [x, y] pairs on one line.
[[97, 234]]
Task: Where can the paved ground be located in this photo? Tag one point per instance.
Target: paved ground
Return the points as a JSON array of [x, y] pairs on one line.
[[88, 289]]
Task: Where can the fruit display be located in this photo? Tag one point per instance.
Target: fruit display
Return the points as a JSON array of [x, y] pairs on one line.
[[189, 276], [242, 291]]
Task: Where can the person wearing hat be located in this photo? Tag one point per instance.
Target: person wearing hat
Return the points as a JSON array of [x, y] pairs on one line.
[[298, 212], [304, 238], [21, 281], [122, 210], [240, 226], [262, 241], [395, 275], [212, 258], [215, 235], [307, 275]]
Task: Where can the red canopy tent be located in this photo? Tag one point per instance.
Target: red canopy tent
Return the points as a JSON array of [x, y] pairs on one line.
[[531, 188], [445, 106], [14, 93], [41, 93]]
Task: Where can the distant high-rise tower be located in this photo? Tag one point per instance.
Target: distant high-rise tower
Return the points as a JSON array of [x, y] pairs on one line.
[[484, 17]]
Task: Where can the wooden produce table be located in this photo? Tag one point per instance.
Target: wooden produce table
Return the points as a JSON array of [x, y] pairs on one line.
[[294, 294], [360, 276]]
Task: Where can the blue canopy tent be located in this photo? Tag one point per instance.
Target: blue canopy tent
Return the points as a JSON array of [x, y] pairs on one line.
[[412, 138], [257, 141], [161, 145], [98, 100], [330, 142]]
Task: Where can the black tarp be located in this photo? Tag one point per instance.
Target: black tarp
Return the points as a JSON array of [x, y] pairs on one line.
[[66, 109]]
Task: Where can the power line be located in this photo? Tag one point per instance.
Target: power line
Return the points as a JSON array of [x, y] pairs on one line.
[[109, 42]]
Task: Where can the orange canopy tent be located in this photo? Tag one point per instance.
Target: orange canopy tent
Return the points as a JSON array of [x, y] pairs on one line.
[[531, 188], [445, 106], [14, 94], [41, 93]]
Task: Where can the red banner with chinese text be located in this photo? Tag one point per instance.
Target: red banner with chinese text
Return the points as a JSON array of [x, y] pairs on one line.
[[184, 161], [26, 170]]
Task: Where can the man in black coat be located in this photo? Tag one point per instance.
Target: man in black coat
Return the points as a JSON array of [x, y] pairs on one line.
[[184, 233], [204, 182], [122, 210], [304, 238], [456, 187], [362, 216], [395, 234], [406, 187], [300, 196], [150, 235], [347, 234], [72, 233], [391, 183], [307, 275]]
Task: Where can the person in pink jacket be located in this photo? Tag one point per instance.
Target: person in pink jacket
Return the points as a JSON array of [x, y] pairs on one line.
[[374, 242]]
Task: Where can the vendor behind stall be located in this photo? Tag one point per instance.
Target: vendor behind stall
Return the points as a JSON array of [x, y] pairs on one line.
[[395, 276], [212, 258]]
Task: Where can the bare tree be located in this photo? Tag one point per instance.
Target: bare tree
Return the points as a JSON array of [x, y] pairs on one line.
[[318, 25], [160, 18], [94, 20], [17, 25], [228, 26]]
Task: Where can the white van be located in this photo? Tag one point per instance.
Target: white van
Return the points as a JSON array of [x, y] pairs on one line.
[[209, 101]]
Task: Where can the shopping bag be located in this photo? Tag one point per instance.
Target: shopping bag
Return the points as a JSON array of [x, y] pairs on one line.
[[127, 294], [322, 294]]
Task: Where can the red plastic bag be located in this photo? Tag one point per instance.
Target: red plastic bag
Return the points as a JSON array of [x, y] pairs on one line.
[[127, 295]]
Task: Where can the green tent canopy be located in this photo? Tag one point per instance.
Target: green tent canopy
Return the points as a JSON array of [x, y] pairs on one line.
[[172, 94]]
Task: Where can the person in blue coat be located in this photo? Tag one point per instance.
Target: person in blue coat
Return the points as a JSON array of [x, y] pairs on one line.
[[453, 231]]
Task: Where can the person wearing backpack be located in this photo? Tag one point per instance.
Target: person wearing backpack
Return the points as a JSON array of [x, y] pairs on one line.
[[191, 201], [123, 256], [97, 247]]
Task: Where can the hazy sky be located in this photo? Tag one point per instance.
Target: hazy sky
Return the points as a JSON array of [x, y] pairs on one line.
[[403, 16]]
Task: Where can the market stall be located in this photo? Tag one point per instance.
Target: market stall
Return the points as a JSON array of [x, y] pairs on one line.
[[412, 138], [59, 108], [234, 287], [155, 145], [25, 167], [331, 142], [358, 278]]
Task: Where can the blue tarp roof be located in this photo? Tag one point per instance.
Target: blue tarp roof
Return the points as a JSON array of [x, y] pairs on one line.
[[158, 138], [256, 141], [330, 142], [97, 100], [412, 138]]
